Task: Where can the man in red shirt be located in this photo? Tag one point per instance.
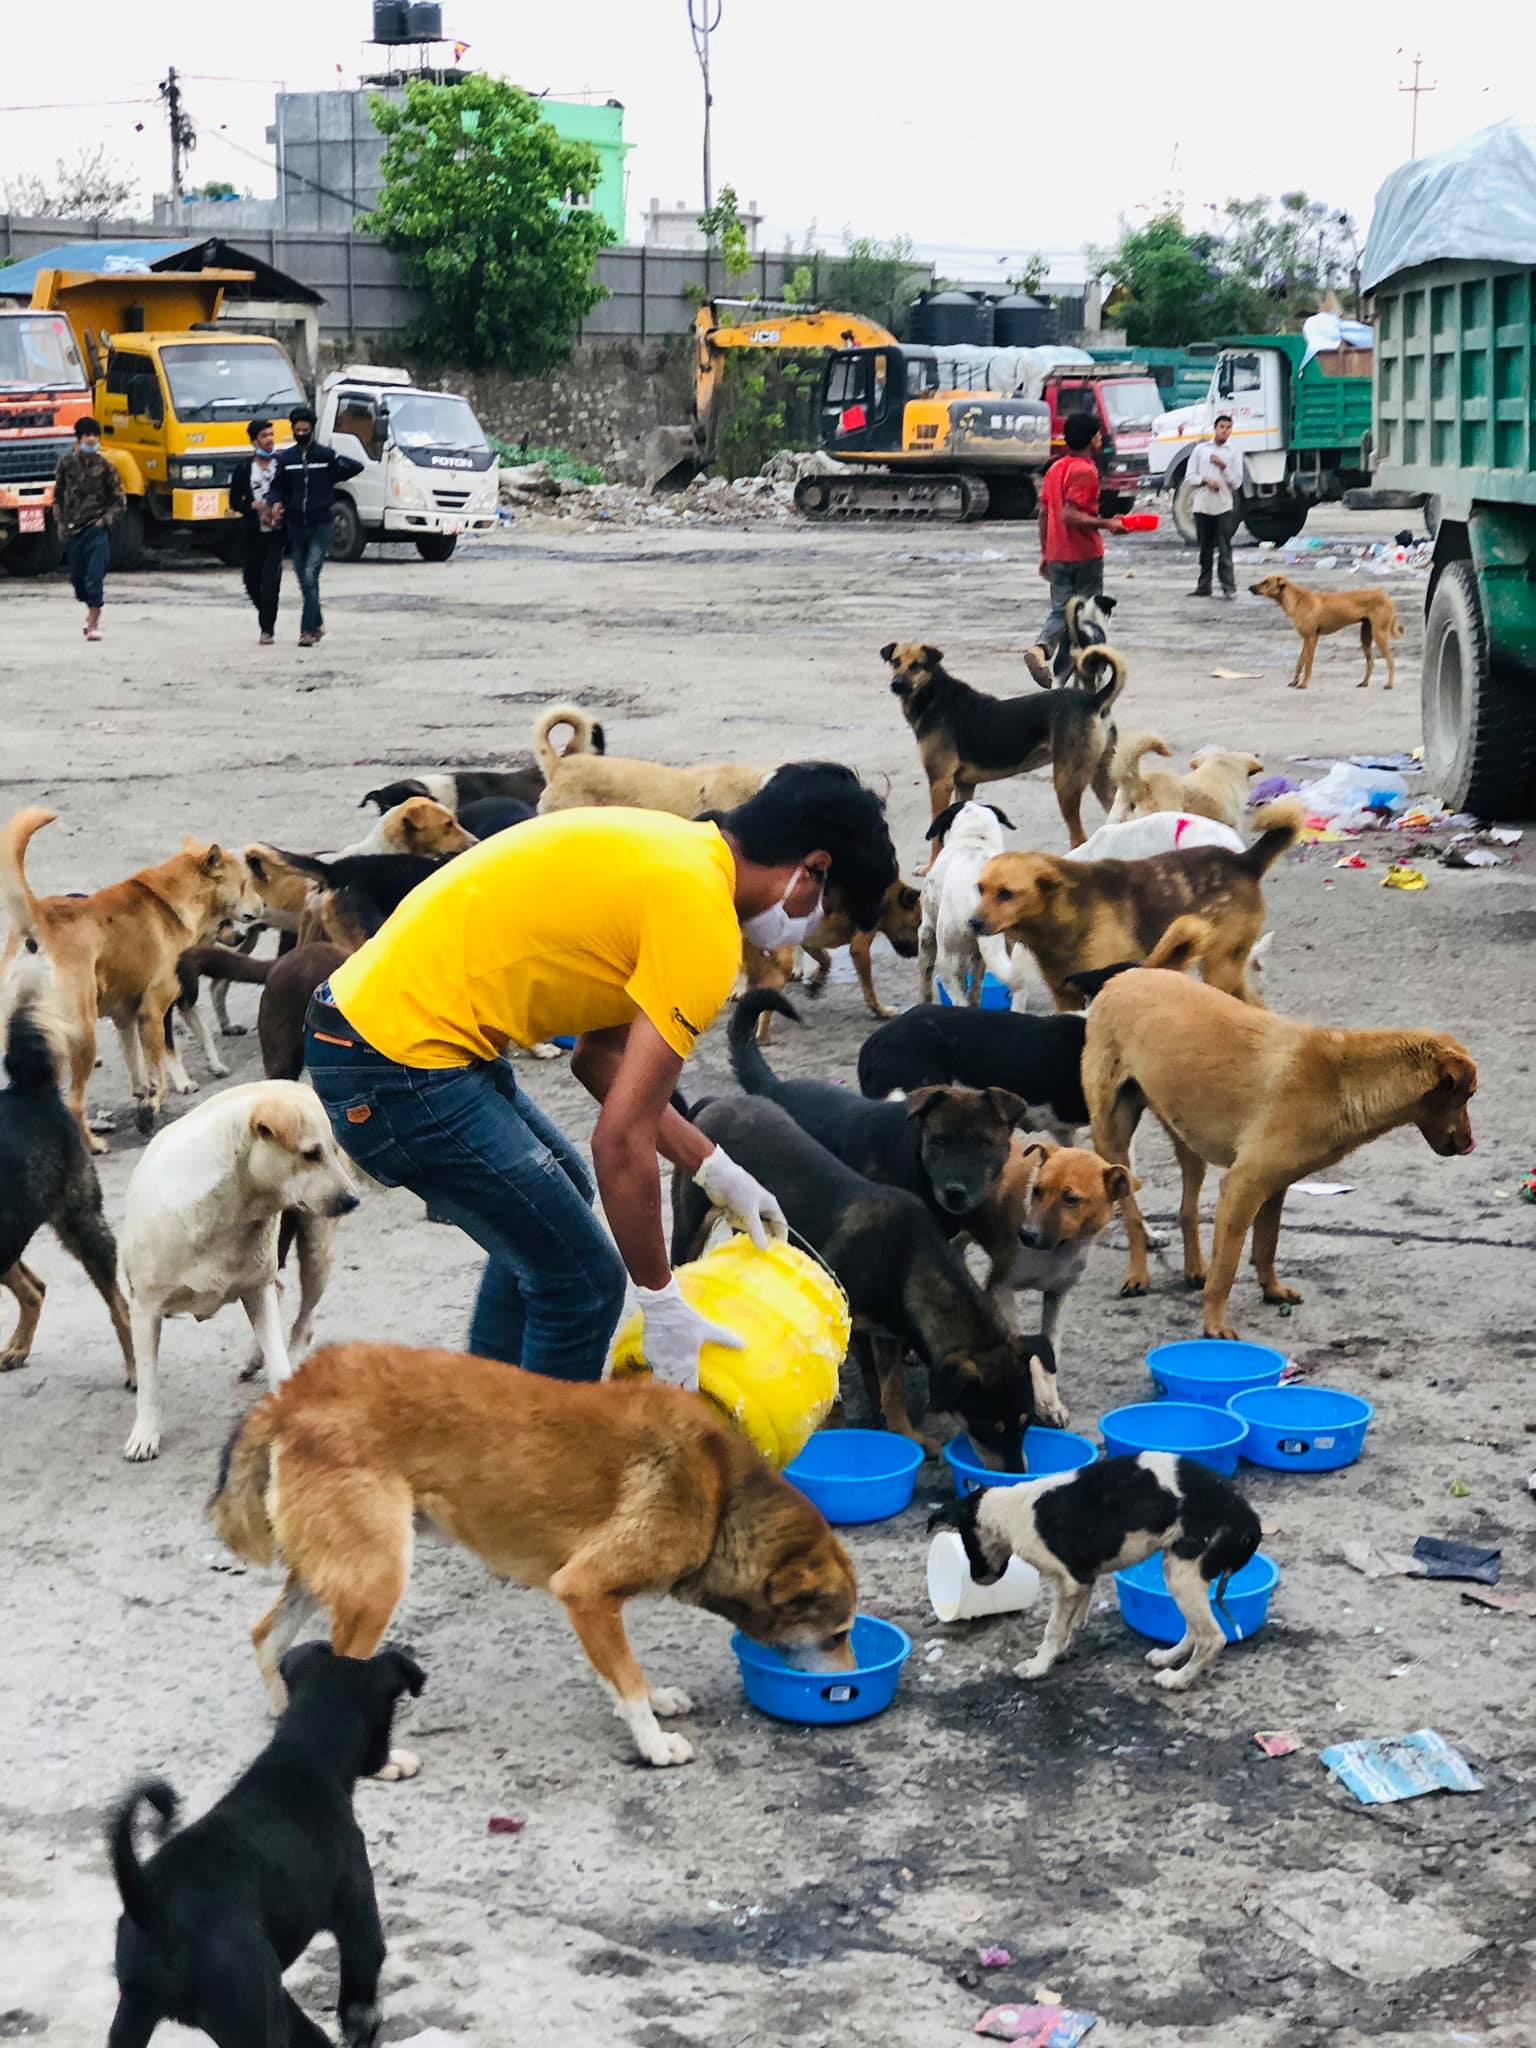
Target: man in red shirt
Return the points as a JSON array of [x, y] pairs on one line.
[[1071, 535]]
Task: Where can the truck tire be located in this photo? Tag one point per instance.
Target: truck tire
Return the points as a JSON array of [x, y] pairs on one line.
[[1479, 724], [436, 547], [347, 536], [1184, 509], [1114, 504], [127, 537], [33, 554], [1275, 519]]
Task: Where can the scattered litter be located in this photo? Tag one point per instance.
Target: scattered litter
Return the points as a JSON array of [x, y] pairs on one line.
[[1272, 786], [1277, 1741], [1384, 1769], [1383, 1564], [935, 1654], [1399, 877], [1506, 835], [1037, 2026], [994, 1958], [1322, 1187], [1314, 833], [1470, 857], [506, 1824], [1508, 1603], [1460, 1489], [1352, 860], [1236, 675], [1528, 1187], [1445, 1559]]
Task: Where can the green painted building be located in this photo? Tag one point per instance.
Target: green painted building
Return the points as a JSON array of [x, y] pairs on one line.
[[602, 126]]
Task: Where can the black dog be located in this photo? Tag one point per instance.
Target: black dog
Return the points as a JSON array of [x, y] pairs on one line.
[[946, 1145], [907, 1286], [456, 787], [218, 1913], [47, 1176], [488, 815], [1037, 1059], [362, 888]]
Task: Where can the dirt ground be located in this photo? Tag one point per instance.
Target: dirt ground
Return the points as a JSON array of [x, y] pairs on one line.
[[1134, 1852]]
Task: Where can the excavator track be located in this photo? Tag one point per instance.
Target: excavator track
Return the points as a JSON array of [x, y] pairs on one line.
[[885, 494]]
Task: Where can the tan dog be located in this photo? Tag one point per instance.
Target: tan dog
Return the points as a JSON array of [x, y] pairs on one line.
[[900, 914], [1316, 612], [114, 953], [1216, 785], [1079, 915], [579, 776], [418, 825], [597, 1494], [1271, 1099]]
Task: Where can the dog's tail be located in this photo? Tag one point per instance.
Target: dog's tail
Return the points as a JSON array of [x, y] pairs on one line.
[[31, 1058], [1280, 826], [238, 1506], [15, 889], [752, 1071], [138, 1899], [586, 738], [1127, 768], [1090, 661], [1182, 944], [304, 863]]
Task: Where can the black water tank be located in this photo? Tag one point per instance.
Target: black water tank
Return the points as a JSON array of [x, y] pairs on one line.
[[426, 21], [1024, 322], [391, 21], [943, 318]]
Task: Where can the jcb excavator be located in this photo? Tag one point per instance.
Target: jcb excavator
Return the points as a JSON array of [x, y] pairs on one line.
[[925, 447]]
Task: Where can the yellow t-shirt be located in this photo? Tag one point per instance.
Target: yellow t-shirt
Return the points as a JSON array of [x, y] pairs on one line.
[[570, 923]]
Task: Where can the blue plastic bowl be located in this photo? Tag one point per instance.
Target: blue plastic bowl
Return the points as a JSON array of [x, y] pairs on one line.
[[1203, 1369], [1147, 1606], [1045, 1451], [995, 995], [776, 1688], [857, 1475], [1301, 1429], [1190, 1429]]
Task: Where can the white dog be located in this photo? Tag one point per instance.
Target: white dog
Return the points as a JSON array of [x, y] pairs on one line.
[[972, 833], [211, 1208]]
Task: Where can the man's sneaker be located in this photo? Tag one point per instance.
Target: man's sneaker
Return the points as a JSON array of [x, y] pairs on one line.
[[306, 639], [264, 639], [1038, 662], [1198, 592]]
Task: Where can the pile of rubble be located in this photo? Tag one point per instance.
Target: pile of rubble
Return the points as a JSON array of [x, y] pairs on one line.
[[531, 491]]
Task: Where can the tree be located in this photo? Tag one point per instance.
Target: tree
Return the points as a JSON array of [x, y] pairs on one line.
[[217, 188], [485, 204], [1030, 275], [94, 187], [1294, 250], [723, 227]]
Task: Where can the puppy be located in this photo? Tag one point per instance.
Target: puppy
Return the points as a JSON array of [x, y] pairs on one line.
[[420, 825], [1074, 915], [46, 1176], [946, 943], [218, 1913], [907, 1286], [965, 737], [1075, 1526], [897, 921], [945, 1145], [332, 1473], [1316, 612], [582, 776], [1271, 1099], [455, 788], [1088, 623], [1037, 1059], [212, 1206], [1215, 787], [113, 953]]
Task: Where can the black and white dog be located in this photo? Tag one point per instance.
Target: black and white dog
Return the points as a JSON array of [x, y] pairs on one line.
[[218, 1913], [1075, 1526], [1087, 627]]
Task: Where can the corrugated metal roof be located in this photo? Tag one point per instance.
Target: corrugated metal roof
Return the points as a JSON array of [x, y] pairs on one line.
[[125, 258]]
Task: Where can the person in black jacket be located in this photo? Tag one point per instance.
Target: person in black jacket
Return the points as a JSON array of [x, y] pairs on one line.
[[262, 540], [307, 476]]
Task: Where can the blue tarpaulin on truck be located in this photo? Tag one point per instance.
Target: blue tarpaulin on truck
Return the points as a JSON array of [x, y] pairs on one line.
[[1472, 203]]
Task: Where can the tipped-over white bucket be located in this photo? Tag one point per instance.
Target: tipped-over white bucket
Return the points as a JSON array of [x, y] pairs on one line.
[[955, 1595]]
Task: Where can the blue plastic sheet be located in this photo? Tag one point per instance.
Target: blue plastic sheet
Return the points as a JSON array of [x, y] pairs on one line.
[[1383, 1769]]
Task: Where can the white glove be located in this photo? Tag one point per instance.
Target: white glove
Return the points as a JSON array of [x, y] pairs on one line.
[[672, 1334], [744, 1201]]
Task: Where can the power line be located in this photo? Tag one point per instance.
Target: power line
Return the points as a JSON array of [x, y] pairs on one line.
[[59, 106], [284, 171]]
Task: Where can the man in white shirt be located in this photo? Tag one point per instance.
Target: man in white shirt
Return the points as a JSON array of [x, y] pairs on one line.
[[1216, 471]]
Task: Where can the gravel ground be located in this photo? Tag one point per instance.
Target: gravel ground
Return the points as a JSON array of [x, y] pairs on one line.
[[1135, 1852]]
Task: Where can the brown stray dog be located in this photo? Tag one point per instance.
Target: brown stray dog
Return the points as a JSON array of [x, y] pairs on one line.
[[663, 1497], [1271, 1099], [1078, 915], [899, 919], [1316, 612], [1215, 786], [114, 953], [582, 776]]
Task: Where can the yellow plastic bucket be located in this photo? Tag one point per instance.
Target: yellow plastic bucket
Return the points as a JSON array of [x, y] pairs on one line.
[[795, 1320]]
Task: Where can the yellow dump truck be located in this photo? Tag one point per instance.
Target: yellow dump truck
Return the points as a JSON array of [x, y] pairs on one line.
[[174, 394]]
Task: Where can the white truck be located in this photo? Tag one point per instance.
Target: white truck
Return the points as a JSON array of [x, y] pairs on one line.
[[429, 473]]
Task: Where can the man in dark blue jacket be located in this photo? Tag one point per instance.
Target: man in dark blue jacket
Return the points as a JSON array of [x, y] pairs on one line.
[[307, 476]]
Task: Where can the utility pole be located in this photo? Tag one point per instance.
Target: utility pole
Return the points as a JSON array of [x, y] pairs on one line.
[[183, 134], [703, 20], [1417, 90]]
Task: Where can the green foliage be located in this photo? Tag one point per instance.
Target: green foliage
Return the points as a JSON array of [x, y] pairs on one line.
[[562, 465], [93, 187], [482, 200], [1294, 250], [766, 403], [217, 188], [722, 226], [877, 279], [1029, 276], [800, 286]]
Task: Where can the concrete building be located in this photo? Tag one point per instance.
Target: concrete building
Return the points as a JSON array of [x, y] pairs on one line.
[[677, 227], [330, 155]]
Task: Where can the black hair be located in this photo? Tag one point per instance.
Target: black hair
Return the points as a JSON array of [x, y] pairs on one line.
[[255, 428], [1220, 417], [1079, 431], [85, 425], [807, 805], [301, 412]]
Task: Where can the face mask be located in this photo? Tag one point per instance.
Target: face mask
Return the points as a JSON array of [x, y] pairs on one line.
[[88, 445], [774, 927]]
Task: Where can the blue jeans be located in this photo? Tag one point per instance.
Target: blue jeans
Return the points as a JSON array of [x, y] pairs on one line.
[[483, 1155], [309, 546], [87, 554]]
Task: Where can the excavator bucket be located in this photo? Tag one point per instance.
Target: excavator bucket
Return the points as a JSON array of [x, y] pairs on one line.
[[673, 458]]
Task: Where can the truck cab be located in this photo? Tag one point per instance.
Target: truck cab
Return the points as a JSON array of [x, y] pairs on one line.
[[43, 391], [428, 475], [1124, 402]]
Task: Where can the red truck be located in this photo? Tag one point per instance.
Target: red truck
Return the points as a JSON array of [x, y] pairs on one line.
[[43, 391], [1124, 399]]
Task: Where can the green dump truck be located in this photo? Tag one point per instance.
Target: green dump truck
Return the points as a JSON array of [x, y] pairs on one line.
[[1451, 261]]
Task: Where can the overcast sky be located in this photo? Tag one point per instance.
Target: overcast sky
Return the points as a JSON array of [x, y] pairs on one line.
[[982, 131]]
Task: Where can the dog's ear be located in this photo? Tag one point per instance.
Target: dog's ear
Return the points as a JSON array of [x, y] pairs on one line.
[[402, 1672], [932, 656], [1255, 765], [211, 858], [1117, 1183], [1458, 1076], [1002, 817], [278, 1119], [1107, 604], [888, 650], [303, 1658], [794, 1584], [1037, 1149], [953, 1514], [1011, 1108], [922, 1100], [941, 824]]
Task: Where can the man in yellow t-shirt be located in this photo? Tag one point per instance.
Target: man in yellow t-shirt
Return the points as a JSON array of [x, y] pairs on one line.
[[624, 928]]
